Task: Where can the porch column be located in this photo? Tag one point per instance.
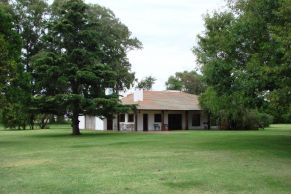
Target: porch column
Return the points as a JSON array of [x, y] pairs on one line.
[[135, 120], [186, 120], [163, 120], [118, 123]]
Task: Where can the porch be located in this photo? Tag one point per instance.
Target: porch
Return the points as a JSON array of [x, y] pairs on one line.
[[154, 120]]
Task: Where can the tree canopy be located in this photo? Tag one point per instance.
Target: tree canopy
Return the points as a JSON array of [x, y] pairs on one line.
[[187, 81], [245, 60], [86, 54], [146, 83], [12, 95], [71, 52]]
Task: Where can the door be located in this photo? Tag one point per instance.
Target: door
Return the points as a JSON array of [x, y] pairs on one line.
[[109, 124], [175, 121], [145, 122]]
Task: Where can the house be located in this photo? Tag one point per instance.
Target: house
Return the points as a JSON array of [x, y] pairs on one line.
[[156, 111]]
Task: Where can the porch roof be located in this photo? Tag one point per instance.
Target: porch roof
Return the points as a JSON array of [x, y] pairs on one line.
[[164, 100]]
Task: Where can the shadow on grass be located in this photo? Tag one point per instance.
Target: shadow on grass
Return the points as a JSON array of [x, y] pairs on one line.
[[7, 143], [185, 184], [115, 144], [83, 135]]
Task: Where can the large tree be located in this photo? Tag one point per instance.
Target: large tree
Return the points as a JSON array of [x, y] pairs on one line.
[[30, 19], [118, 43], [280, 71], [84, 45], [9, 47], [242, 59], [187, 81], [11, 73]]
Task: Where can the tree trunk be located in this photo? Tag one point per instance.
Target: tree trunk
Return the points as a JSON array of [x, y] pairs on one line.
[[75, 120], [31, 121], [44, 121], [76, 110]]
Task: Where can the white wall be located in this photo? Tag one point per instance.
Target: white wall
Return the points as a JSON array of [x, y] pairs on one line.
[[131, 125], [151, 119], [138, 95], [114, 124], [98, 124], [81, 122], [203, 118]]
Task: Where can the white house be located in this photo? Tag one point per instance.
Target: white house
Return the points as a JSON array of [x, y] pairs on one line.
[[156, 111]]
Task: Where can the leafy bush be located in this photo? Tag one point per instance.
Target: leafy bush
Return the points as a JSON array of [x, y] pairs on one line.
[[255, 120], [14, 116], [265, 120]]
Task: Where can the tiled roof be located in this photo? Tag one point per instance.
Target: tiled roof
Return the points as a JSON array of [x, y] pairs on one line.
[[164, 100]]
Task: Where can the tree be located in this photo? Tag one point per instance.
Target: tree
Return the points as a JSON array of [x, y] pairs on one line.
[[146, 83], [72, 72], [189, 82], [11, 74], [241, 60], [280, 32], [117, 46], [30, 19], [9, 51]]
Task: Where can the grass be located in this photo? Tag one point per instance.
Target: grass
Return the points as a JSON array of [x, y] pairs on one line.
[[52, 161]]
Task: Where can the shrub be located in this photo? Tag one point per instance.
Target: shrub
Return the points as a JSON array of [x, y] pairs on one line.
[[265, 120], [14, 116], [254, 119]]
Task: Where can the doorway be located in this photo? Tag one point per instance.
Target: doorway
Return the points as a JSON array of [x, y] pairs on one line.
[[109, 124], [145, 122], [175, 121]]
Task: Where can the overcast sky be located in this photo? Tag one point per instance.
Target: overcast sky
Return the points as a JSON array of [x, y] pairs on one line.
[[167, 29]]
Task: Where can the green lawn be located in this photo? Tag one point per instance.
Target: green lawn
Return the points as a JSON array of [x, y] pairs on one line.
[[52, 161]]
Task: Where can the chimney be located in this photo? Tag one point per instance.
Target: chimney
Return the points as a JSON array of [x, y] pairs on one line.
[[108, 91], [138, 95]]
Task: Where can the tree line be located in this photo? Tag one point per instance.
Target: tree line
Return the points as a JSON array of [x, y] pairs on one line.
[[59, 59], [244, 57]]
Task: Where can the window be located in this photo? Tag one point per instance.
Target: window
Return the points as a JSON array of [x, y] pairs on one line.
[[122, 118], [130, 118], [158, 118], [196, 119]]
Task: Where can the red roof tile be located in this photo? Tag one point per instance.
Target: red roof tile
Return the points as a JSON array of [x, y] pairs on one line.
[[165, 100]]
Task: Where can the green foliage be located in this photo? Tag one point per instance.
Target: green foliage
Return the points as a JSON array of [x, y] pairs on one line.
[[244, 59], [30, 23], [254, 120], [27, 23], [85, 53], [190, 82], [12, 94], [146, 83], [118, 42], [14, 116], [9, 47]]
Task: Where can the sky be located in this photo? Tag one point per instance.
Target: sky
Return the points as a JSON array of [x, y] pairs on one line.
[[167, 30]]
